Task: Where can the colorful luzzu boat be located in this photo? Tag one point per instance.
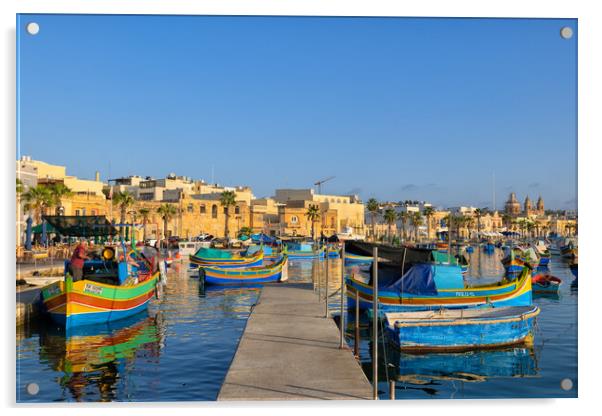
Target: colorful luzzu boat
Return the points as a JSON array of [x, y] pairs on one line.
[[228, 276], [357, 259], [224, 259], [304, 255], [427, 287], [516, 260], [333, 252], [543, 252], [110, 290], [460, 330], [545, 283]]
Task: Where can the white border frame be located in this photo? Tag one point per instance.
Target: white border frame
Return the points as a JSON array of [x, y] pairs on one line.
[[590, 71]]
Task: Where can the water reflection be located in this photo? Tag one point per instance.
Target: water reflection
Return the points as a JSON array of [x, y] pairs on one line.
[[91, 360]]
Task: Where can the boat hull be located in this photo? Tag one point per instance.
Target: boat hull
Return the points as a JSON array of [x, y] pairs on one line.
[[220, 276], [225, 263], [444, 330], [357, 259], [517, 293], [303, 255], [87, 302]]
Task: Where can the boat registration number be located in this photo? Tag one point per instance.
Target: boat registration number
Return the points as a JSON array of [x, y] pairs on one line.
[[52, 290], [463, 294], [92, 289]]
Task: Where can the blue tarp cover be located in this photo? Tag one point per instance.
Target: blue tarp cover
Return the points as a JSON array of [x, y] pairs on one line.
[[419, 280], [263, 238]]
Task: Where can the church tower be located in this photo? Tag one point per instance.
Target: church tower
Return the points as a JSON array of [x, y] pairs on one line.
[[512, 206], [528, 208], [540, 206]]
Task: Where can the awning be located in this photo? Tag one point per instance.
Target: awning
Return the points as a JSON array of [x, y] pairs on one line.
[[80, 226], [37, 229]]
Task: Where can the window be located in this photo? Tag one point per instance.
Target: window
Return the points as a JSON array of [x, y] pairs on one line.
[[237, 210], [190, 208], [84, 212], [203, 209], [77, 212], [93, 212], [294, 219], [214, 211]]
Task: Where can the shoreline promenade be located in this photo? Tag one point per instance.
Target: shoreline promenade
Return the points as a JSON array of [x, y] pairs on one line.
[[289, 351]]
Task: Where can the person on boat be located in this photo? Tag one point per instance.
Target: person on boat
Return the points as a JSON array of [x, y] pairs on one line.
[[76, 265]]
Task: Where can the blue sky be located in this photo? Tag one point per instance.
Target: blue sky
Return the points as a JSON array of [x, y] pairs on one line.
[[395, 108]]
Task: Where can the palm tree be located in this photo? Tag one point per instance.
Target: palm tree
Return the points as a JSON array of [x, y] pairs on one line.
[[20, 187], [428, 213], [468, 223], [478, 213], [37, 199], [416, 222], [123, 200], [145, 214], [313, 214], [167, 212], [404, 217], [58, 191], [507, 221], [227, 199], [390, 216], [372, 207]]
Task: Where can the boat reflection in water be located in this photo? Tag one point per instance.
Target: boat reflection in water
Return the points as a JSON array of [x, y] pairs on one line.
[[472, 366], [94, 358]]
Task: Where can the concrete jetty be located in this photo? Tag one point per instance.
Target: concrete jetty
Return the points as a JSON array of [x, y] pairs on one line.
[[289, 351]]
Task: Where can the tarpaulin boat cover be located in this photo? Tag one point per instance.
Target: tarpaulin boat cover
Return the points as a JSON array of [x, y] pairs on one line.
[[392, 254], [263, 238], [419, 280], [211, 253], [436, 277], [81, 226], [267, 250]]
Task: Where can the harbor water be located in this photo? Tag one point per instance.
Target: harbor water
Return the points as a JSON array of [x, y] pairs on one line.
[[182, 347], [519, 372]]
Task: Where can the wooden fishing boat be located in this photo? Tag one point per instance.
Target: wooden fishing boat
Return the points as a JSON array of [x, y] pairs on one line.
[[351, 258], [115, 284], [517, 259], [568, 249], [543, 252], [428, 287], [333, 252], [219, 258], [304, 255], [227, 276], [110, 290], [545, 283], [461, 330], [442, 247]]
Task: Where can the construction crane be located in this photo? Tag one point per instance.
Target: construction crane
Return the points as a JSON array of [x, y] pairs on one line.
[[319, 183]]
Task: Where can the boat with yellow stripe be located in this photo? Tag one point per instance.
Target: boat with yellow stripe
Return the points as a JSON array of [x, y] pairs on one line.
[[110, 290], [116, 282], [275, 272], [225, 259], [428, 286]]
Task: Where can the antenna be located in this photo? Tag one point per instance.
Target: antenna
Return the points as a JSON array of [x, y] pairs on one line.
[[494, 191], [320, 182]]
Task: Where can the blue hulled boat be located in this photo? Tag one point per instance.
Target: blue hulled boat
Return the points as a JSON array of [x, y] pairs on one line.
[[459, 330]]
